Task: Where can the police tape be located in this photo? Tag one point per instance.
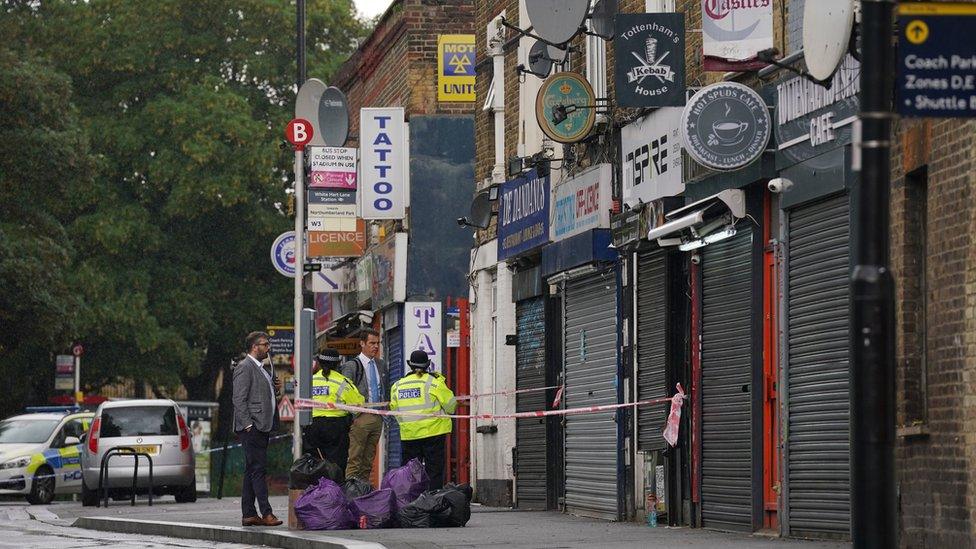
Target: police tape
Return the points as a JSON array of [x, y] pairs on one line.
[[305, 404], [232, 446], [462, 398]]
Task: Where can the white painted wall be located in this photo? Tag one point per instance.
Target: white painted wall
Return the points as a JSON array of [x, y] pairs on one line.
[[492, 364]]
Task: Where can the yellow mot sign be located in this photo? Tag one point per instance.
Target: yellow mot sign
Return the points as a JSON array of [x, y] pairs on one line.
[[455, 67]]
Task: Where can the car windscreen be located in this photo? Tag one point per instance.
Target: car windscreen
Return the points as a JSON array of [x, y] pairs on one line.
[[13, 431], [136, 421]]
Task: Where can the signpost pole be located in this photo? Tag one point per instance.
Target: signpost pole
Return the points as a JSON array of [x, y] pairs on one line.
[[296, 442], [873, 512], [77, 379]]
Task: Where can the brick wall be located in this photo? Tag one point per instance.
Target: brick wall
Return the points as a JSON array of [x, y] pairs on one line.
[[936, 337]]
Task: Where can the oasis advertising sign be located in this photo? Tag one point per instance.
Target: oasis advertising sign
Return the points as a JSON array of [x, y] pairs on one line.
[[649, 54], [523, 215], [651, 157], [383, 171], [582, 203], [734, 32]]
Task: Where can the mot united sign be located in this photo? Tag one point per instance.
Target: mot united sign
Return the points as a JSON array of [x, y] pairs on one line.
[[649, 53]]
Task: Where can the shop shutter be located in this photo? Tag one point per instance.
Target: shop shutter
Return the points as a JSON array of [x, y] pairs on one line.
[[726, 366], [591, 370], [530, 434], [818, 370], [651, 346], [394, 362]]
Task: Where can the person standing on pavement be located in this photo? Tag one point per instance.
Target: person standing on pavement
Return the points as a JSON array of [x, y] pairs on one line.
[[423, 436], [367, 372], [328, 433], [255, 418]]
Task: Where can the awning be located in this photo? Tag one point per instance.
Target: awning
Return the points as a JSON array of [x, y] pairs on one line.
[[703, 222]]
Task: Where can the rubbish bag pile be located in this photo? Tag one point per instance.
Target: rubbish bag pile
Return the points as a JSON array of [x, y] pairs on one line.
[[402, 501], [308, 469]]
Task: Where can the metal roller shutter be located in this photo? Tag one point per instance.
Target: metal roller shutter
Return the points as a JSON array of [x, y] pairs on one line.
[[590, 352], [818, 347], [651, 346], [530, 434], [394, 362], [726, 366]]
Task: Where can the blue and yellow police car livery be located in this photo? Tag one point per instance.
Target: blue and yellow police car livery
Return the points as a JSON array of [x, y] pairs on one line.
[[40, 454]]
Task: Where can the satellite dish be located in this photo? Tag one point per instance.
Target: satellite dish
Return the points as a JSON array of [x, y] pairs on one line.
[[826, 32], [601, 22], [307, 107], [480, 211], [539, 62], [333, 117], [557, 55], [557, 21]]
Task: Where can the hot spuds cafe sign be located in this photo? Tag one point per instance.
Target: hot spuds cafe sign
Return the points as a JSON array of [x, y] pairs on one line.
[[523, 215]]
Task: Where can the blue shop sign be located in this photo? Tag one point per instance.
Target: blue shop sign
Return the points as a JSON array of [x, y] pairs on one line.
[[523, 215], [936, 61]]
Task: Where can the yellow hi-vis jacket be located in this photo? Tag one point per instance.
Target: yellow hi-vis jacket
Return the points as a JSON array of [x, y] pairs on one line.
[[335, 388], [424, 394]]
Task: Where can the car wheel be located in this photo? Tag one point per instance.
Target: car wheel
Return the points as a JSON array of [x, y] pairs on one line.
[[187, 494], [89, 498], [42, 487]]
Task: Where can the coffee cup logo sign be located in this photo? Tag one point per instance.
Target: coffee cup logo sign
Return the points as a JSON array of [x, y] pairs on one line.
[[726, 126], [650, 60]]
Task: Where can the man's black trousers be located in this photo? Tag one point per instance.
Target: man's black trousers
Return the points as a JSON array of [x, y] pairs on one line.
[[255, 486], [329, 435], [430, 450]]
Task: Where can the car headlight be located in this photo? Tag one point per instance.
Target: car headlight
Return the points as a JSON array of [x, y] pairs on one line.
[[16, 463]]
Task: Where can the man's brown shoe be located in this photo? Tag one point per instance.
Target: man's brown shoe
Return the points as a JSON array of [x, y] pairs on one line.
[[252, 521], [270, 520]]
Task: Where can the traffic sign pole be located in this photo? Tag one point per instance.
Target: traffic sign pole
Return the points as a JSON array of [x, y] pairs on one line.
[[77, 379], [296, 439]]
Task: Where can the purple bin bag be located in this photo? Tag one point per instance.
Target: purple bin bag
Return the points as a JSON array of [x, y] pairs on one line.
[[324, 506], [407, 482], [378, 508]]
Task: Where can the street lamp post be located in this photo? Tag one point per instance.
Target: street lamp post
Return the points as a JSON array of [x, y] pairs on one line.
[[873, 511]]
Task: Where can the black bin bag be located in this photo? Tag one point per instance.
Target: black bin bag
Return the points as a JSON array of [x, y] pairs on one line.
[[448, 507], [308, 469]]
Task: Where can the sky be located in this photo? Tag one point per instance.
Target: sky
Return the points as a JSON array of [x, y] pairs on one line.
[[372, 8]]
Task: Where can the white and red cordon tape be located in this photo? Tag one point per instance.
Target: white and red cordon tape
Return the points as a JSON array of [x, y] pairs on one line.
[[462, 398], [670, 431]]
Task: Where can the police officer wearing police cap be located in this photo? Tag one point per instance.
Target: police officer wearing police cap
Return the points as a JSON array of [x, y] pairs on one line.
[[329, 431], [423, 435]]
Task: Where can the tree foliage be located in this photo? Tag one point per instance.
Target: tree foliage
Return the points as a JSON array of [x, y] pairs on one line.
[[142, 139]]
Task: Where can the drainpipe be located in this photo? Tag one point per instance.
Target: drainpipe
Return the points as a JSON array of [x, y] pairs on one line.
[[496, 40]]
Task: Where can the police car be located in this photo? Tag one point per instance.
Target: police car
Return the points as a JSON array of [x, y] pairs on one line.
[[40, 454]]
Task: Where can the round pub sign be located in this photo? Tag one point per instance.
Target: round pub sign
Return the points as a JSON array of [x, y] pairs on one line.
[[565, 107]]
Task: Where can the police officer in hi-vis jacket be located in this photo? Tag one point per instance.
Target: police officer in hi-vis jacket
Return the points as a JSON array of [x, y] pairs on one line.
[[329, 430], [423, 436]]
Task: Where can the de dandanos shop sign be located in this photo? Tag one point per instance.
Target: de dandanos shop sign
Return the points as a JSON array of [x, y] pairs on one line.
[[523, 215], [649, 57]]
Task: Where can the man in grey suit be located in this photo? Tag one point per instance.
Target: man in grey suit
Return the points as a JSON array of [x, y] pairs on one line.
[[368, 373], [255, 418]]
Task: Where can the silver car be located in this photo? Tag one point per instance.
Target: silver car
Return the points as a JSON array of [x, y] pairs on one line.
[[153, 427]]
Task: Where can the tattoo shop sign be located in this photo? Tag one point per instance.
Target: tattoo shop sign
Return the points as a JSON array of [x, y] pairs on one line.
[[651, 157], [423, 331], [649, 52], [384, 181]]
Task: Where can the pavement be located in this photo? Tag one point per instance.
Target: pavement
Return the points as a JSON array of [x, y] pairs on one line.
[[219, 521]]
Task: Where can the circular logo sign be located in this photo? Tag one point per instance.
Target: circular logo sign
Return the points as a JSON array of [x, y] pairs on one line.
[[725, 126], [559, 107], [299, 132], [77, 350], [283, 254]]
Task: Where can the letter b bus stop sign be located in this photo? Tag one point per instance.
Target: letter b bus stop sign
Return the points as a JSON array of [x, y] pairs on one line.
[[299, 132]]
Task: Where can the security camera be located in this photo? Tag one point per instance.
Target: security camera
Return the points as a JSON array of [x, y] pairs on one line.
[[695, 259], [462, 221], [779, 184]]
